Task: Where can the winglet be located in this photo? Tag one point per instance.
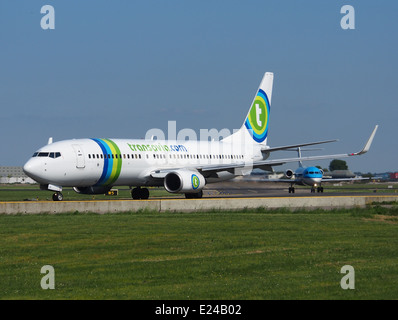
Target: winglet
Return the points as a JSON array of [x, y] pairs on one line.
[[368, 143]]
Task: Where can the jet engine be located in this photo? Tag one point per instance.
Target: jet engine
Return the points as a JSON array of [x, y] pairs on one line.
[[92, 190], [184, 181], [289, 173]]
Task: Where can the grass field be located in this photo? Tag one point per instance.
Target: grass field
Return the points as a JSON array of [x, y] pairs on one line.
[[217, 255]]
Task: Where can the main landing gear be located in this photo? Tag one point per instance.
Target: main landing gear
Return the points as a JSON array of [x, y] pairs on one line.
[[58, 196], [198, 195], [313, 189], [140, 193]]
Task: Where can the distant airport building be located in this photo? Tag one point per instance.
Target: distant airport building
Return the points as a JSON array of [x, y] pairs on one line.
[[394, 176], [14, 175], [341, 174]]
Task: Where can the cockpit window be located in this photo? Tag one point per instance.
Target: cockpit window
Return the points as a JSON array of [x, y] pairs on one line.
[[47, 154], [43, 154]]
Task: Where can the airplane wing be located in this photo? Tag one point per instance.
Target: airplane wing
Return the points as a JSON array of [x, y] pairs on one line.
[[264, 164], [281, 180], [329, 156], [267, 165], [342, 179], [268, 149]]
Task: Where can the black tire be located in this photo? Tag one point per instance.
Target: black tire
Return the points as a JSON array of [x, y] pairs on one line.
[[144, 193], [197, 195], [135, 193], [58, 196]]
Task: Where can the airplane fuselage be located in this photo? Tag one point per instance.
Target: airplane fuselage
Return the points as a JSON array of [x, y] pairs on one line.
[[116, 162], [308, 176]]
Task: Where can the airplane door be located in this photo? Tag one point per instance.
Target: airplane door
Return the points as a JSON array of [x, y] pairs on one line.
[[80, 163]]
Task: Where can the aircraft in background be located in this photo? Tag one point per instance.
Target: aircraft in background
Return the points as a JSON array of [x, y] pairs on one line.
[[309, 176], [94, 166]]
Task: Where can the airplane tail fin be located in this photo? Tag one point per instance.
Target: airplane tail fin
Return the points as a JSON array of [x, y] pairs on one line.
[[255, 126]]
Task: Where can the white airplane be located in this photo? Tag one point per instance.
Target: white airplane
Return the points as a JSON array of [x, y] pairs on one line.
[[94, 166], [309, 176]]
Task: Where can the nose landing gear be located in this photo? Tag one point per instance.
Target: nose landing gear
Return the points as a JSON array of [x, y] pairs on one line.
[[58, 196], [319, 189]]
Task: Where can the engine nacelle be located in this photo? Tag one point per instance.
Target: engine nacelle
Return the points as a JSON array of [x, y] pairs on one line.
[[289, 173], [184, 181], [92, 190]]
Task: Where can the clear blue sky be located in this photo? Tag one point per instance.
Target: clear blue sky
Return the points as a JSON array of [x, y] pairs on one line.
[[119, 68]]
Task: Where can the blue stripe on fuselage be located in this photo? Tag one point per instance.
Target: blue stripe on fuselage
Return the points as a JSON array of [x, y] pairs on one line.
[[108, 162]]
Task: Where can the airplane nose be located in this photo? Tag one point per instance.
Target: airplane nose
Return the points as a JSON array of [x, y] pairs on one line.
[[32, 169], [27, 168]]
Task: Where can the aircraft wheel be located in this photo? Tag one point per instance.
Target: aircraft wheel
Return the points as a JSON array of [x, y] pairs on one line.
[[144, 193], [135, 193], [198, 195], [58, 196], [138, 193]]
